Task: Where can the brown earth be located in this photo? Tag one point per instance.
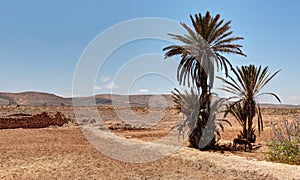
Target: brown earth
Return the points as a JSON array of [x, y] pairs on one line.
[[64, 152], [42, 120]]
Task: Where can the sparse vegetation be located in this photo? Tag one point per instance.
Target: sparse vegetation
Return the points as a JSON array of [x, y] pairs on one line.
[[285, 145], [281, 111]]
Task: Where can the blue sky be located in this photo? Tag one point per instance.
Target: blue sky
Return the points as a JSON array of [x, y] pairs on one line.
[[41, 41]]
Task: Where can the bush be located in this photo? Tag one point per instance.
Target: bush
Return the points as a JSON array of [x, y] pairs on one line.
[[285, 145]]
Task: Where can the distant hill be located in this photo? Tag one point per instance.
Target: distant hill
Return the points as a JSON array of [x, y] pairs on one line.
[[124, 100], [40, 98], [34, 99], [280, 106]]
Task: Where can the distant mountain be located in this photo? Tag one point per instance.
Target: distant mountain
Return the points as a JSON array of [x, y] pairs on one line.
[[279, 106], [33, 99], [40, 98], [126, 100]]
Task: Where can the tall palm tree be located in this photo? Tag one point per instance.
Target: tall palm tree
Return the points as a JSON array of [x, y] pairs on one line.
[[202, 47], [246, 89]]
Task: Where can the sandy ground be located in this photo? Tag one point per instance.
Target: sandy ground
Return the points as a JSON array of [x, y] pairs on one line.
[[64, 152]]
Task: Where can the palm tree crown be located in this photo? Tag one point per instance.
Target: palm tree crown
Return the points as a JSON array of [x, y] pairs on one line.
[[210, 38], [250, 81]]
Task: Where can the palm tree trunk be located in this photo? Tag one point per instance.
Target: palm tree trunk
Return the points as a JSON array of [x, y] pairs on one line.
[[203, 82], [204, 102], [251, 113]]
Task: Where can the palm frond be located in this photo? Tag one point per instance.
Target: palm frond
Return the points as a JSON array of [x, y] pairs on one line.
[[272, 94], [205, 43]]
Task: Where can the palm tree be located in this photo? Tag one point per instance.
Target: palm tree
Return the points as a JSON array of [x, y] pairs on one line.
[[246, 89], [237, 111], [188, 103], [203, 46]]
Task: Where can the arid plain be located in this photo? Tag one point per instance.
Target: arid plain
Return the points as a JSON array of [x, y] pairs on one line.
[[64, 152]]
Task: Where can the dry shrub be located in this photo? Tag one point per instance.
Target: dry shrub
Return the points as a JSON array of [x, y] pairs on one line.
[[285, 145]]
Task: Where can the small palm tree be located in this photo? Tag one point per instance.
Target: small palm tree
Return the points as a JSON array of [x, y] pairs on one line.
[[237, 111], [246, 89], [188, 104], [203, 47]]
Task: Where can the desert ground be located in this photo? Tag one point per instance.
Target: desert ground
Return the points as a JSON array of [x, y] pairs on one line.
[[65, 153]]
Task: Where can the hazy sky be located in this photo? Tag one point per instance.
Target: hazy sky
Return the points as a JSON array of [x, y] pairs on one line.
[[41, 41]]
